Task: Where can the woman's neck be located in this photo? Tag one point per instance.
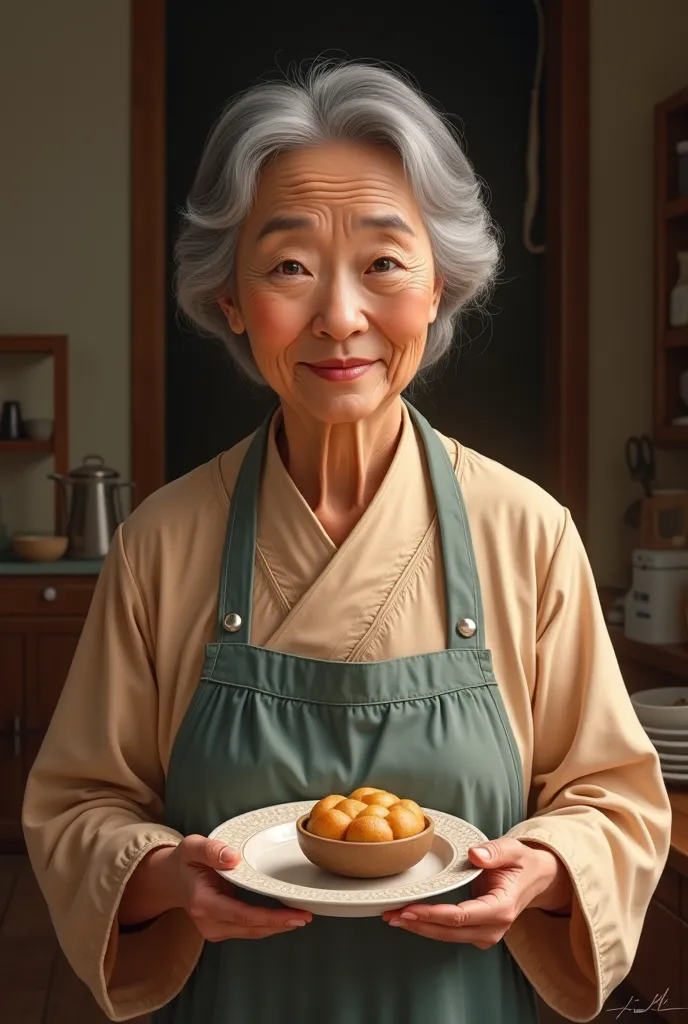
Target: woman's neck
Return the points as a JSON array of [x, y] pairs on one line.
[[338, 468]]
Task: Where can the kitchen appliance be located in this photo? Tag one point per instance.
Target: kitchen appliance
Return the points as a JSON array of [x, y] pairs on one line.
[[657, 601], [91, 507]]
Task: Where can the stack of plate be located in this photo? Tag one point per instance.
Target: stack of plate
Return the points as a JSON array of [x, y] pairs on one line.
[[663, 714]]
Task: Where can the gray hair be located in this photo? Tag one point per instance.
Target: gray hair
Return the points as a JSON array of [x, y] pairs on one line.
[[333, 101]]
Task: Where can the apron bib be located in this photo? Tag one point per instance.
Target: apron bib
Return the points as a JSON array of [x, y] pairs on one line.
[[265, 727]]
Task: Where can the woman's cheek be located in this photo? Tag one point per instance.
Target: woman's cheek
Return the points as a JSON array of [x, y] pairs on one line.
[[406, 321], [272, 324]]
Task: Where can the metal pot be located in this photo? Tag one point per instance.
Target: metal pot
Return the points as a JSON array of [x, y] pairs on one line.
[[91, 507]]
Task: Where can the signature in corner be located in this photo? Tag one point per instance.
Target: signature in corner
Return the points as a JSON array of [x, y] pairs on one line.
[[657, 1005]]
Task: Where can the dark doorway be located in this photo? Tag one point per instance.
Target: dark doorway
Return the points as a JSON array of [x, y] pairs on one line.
[[491, 396]]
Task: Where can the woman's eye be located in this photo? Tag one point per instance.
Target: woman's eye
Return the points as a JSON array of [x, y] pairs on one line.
[[386, 260], [288, 268]]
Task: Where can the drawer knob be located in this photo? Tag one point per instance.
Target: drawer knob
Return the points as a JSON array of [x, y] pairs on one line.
[[49, 594]]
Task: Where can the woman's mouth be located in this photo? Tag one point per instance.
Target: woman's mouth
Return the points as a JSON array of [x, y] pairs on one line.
[[341, 369]]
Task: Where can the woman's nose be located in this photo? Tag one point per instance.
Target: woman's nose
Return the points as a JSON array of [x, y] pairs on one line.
[[339, 313]]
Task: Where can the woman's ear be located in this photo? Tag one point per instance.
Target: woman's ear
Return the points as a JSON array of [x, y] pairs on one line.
[[436, 296], [233, 314]]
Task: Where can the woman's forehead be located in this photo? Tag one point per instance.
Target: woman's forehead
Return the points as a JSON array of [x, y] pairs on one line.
[[367, 182]]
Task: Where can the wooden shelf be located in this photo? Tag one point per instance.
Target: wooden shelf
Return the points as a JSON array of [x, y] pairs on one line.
[[677, 208], [31, 344], [27, 447], [671, 435], [676, 337], [45, 346]]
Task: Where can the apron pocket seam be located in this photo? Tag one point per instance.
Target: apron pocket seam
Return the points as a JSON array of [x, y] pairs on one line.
[[353, 704]]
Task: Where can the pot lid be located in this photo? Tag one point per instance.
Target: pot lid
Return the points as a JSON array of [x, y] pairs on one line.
[[93, 468]]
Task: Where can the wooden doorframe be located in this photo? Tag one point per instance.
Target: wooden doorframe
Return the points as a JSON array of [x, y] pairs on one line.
[[148, 245], [567, 141]]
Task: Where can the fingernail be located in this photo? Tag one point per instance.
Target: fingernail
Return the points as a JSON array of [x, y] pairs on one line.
[[409, 917], [295, 924], [395, 923], [483, 852], [226, 856]]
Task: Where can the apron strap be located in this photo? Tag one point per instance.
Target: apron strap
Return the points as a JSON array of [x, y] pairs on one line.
[[462, 585], [464, 602], [238, 559]]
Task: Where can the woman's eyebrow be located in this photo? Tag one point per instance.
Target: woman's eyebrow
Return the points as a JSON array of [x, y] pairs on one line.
[[385, 220], [284, 222]]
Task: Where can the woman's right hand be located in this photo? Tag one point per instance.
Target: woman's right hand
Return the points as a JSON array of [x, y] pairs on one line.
[[209, 899], [186, 876]]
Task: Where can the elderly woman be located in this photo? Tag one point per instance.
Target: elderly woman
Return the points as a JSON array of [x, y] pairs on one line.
[[344, 598]]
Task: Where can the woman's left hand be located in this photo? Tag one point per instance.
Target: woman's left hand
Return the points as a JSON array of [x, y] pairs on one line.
[[518, 874]]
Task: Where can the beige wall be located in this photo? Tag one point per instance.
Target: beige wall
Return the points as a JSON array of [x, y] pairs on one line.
[[64, 235], [64, 226], [639, 57]]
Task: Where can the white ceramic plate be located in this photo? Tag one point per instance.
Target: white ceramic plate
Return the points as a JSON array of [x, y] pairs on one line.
[[678, 735], [675, 777], [272, 864], [669, 747], [677, 759], [660, 709]]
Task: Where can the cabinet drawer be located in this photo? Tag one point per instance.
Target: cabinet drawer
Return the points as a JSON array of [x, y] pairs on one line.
[[46, 595]]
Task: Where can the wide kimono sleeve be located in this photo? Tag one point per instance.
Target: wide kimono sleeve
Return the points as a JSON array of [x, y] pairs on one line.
[[597, 798], [93, 806]]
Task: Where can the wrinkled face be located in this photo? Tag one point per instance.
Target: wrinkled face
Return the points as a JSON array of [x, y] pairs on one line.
[[335, 282]]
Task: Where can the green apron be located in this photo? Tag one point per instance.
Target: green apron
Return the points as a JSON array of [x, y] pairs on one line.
[[265, 727]]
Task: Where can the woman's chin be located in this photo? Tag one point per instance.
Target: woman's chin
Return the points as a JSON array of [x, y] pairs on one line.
[[346, 406]]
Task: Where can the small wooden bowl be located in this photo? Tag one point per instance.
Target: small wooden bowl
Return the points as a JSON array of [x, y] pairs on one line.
[[364, 860], [35, 547]]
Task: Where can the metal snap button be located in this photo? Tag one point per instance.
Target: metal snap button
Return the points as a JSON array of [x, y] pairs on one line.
[[466, 627], [232, 622]]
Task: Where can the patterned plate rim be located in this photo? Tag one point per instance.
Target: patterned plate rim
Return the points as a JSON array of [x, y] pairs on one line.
[[237, 831]]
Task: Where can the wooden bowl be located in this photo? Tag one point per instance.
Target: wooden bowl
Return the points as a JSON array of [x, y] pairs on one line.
[[365, 860], [36, 547]]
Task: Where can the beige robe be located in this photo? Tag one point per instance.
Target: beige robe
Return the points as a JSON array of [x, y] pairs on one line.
[[595, 795]]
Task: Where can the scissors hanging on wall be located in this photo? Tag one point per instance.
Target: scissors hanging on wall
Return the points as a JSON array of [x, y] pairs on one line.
[[640, 459]]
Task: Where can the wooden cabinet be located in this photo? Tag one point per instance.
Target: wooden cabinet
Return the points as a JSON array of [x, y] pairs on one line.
[[41, 619], [658, 974]]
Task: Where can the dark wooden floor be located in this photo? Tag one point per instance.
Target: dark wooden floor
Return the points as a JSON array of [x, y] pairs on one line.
[[37, 985]]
